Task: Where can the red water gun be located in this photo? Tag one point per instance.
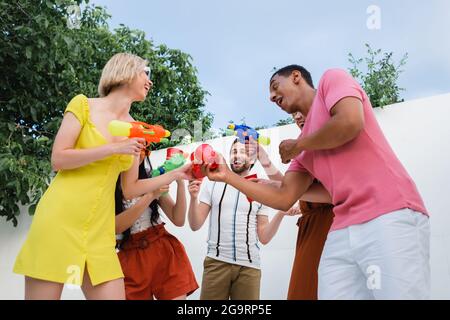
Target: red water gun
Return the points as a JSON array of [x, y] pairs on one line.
[[204, 154]]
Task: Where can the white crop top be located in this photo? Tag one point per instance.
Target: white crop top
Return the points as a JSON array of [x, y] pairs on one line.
[[143, 222]]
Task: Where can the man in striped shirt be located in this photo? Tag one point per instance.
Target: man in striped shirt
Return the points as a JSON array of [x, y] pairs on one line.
[[236, 225]]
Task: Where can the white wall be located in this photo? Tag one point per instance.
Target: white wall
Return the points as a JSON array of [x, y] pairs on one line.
[[418, 132]]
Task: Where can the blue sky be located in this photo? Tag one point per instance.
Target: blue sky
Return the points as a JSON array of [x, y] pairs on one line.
[[236, 44]]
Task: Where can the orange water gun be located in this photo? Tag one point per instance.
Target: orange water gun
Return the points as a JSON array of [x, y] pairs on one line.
[[151, 133]]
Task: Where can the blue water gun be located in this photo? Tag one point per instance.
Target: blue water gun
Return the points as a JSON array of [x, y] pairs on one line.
[[244, 132]]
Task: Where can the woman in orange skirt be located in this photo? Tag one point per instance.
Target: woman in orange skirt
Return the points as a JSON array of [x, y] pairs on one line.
[[154, 262]]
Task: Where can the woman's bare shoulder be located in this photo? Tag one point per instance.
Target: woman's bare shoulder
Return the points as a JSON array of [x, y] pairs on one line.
[[95, 101]]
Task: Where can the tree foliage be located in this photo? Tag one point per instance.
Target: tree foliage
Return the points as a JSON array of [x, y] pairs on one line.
[[283, 122], [44, 63], [378, 75]]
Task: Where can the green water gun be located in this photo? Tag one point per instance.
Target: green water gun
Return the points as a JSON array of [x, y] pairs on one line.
[[175, 158]]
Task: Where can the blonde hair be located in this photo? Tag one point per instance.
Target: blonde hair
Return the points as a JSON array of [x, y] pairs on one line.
[[119, 70]]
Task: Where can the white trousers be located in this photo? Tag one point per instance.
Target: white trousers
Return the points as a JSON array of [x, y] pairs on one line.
[[385, 258]]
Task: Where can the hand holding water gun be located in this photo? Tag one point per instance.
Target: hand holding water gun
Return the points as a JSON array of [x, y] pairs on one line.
[[204, 154], [175, 158], [244, 132], [151, 133]]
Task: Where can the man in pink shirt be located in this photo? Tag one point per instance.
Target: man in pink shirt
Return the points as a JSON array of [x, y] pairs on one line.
[[378, 245]]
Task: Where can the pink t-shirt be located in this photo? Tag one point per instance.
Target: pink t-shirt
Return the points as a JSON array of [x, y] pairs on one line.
[[364, 176]]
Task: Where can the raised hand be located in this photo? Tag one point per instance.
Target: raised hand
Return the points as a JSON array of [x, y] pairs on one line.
[[220, 173], [194, 188], [288, 150], [184, 172]]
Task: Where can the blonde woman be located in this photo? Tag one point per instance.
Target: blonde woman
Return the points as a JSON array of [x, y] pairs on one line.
[[72, 237]]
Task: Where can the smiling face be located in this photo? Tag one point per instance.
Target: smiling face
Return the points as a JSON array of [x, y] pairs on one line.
[[289, 92], [126, 72], [299, 119], [239, 158], [140, 85]]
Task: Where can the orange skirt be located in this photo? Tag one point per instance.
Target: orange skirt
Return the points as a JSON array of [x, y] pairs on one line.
[[313, 228], [155, 264]]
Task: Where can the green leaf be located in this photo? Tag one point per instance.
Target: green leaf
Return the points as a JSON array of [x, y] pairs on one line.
[[32, 209], [68, 41], [28, 52], [11, 126], [33, 113], [43, 139]]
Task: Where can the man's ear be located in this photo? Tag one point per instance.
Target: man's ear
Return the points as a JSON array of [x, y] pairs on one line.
[[296, 76]]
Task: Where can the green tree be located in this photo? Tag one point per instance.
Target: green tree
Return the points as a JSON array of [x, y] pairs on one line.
[[379, 76], [44, 63], [283, 122]]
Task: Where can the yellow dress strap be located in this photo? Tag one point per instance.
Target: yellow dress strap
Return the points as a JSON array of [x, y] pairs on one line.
[[78, 106]]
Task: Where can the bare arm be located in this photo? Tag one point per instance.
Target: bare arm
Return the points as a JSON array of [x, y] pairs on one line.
[[198, 212], [271, 171], [125, 219], [175, 211], [347, 121], [345, 124], [267, 230], [293, 186], [316, 193], [64, 156], [255, 150], [133, 187]]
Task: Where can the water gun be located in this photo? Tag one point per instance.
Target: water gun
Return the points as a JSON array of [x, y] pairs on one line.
[[204, 154], [151, 133], [244, 132], [175, 158]]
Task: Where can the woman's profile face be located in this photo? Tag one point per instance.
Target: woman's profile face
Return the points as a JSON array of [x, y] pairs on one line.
[[141, 85]]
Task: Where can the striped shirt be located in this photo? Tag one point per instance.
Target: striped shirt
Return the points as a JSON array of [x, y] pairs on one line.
[[232, 235]]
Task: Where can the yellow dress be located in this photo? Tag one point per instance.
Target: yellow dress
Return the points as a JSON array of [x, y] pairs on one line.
[[74, 222]]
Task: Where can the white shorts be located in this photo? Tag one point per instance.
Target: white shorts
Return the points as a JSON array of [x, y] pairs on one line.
[[385, 258]]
